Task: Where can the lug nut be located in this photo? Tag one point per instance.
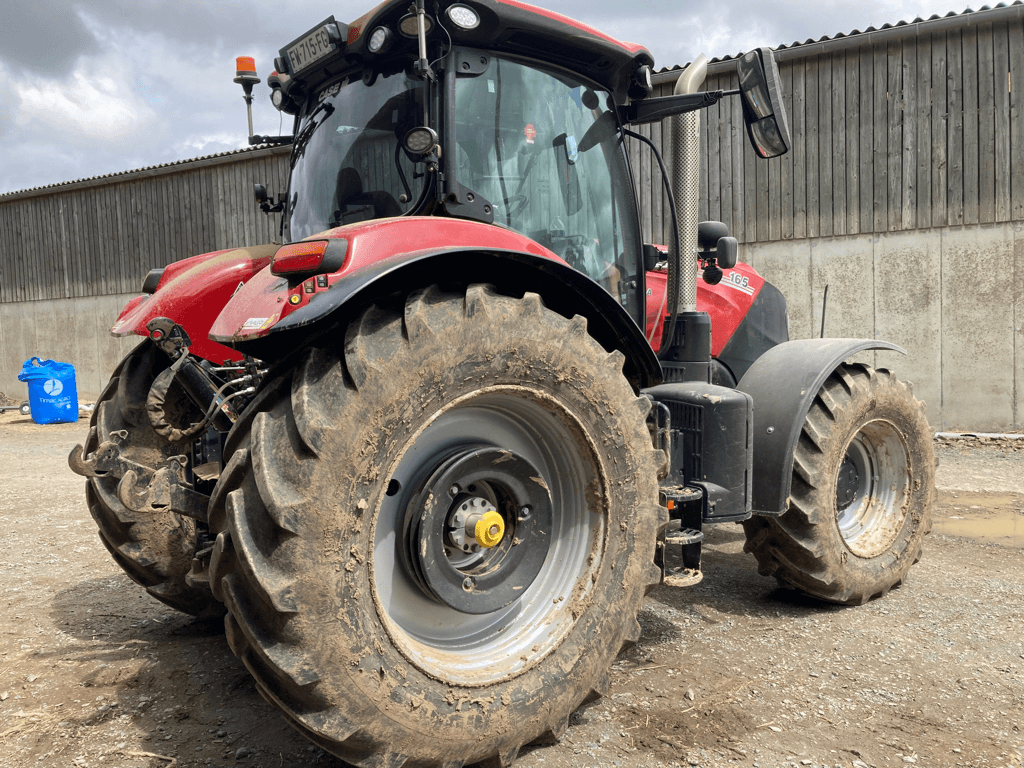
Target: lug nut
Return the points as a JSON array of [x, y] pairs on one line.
[[454, 490], [467, 584]]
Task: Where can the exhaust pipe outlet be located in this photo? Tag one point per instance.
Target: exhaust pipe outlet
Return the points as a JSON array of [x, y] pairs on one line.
[[686, 184]]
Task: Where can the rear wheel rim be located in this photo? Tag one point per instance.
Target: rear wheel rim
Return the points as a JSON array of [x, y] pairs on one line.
[[873, 487], [477, 649]]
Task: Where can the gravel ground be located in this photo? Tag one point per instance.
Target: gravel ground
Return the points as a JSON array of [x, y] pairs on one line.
[[733, 671]]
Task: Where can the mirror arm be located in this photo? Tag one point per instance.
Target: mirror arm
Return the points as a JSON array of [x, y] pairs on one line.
[[652, 110], [275, 140]]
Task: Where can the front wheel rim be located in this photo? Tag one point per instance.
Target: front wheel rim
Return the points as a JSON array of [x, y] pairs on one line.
[[479, 649], [873, 487]]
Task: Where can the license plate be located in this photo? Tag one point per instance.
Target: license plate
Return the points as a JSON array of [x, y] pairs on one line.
[[310, 49]]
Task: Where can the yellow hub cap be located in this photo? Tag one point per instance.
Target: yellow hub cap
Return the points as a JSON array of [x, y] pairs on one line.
[[489, 529]]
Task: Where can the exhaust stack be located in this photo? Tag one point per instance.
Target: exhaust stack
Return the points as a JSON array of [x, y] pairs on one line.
[[687, 333], [686, 184]]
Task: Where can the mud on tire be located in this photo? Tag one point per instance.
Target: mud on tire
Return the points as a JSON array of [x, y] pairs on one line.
[[155, 550], [862, 494], [331, 511]]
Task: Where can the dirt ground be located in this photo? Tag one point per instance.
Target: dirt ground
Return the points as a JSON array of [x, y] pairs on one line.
[[93, 672]]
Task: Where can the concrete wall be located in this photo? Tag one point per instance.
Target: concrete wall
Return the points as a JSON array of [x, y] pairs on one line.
[[952, 297], [72, 331]]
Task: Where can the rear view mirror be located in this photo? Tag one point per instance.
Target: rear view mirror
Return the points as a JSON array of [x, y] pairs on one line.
[[763, 110], [652, 255]]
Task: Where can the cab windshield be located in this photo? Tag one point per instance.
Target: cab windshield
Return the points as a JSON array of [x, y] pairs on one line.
[[543, 148], [348, 165]]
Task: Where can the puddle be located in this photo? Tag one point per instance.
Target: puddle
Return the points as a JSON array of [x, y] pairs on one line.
[[1004, 527]]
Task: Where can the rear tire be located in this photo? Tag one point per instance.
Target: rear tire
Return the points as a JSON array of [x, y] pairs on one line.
[[862, 494], [154, 549], [378, 638]]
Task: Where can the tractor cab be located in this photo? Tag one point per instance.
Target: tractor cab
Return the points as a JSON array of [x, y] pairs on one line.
[[491, 111], [516, 129], [510, 118]]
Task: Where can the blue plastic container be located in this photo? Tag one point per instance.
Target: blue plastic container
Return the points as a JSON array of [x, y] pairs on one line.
[[52, 391]]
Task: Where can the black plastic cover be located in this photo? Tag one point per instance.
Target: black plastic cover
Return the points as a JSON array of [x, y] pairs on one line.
[[563, 289], [152, 280], [687, 356], [712, 445], [765, 325], [784, 382]]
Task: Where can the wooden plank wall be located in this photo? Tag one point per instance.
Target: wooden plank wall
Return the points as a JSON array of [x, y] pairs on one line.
[[924, 131], [102, 239]]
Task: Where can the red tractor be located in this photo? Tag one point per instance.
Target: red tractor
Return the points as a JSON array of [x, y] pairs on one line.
[[428, 456]]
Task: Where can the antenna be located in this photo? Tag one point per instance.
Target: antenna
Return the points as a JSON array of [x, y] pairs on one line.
[[824, 303]]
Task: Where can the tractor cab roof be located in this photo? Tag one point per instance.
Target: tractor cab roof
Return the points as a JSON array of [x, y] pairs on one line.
[[502, 26]]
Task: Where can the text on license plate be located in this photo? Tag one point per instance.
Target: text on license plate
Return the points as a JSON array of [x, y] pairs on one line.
[[310, 49]]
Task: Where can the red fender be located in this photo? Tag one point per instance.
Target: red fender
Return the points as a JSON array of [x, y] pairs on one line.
[[267, 299], [192, 292]]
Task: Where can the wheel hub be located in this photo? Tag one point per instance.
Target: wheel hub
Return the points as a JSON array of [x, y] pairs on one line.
[[872, 488], [478, 529], [473, 525], [847, 484]]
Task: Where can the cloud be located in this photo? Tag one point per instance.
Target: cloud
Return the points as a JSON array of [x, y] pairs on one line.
[[9, 101], [90, 87], [203, 27], [675, 32], [96, 103], [45, 37]]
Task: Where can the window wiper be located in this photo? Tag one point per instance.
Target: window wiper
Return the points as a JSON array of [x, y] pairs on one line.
[[306, 133]]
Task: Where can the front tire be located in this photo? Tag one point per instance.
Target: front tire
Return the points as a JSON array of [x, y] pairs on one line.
[[862, 493], [365, 612]]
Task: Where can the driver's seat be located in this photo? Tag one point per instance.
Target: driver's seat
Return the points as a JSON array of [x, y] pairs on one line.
[[354, 205]]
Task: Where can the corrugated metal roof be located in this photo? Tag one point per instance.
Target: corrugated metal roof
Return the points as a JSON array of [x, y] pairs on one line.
[[924, 26], [149, 170]]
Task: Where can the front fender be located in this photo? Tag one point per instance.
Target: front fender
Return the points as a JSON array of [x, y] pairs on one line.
[[784, 382], [562, 288]]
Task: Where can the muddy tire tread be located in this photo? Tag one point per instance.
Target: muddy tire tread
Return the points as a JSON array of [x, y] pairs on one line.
[[802, 549], [153, 551], [256, 512]]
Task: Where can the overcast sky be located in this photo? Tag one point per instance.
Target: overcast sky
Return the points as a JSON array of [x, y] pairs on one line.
[[90, 87]]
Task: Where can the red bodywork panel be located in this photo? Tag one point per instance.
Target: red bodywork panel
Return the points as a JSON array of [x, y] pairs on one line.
[[266, 298], [356, 28], [727, 303], [192, 293], [631, 47]]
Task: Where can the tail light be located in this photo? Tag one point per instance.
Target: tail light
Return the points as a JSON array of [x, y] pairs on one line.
[[309, 257]]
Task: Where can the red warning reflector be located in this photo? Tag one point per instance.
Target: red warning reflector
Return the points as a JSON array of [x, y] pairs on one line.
[[306, 256], [310, 257]]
